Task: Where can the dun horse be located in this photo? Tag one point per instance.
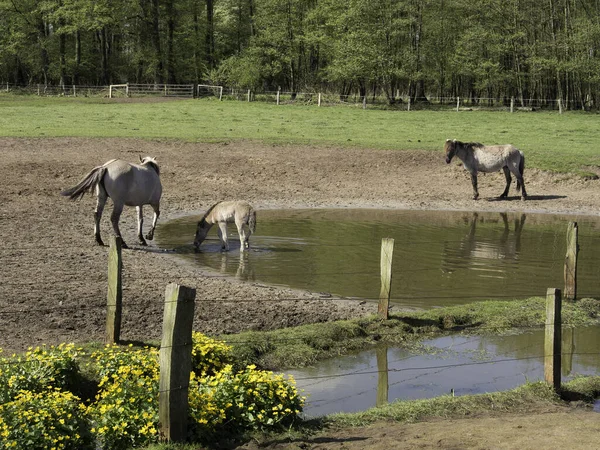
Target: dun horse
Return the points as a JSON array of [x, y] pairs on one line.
[[222, 213], [126, 184], [489, 158]]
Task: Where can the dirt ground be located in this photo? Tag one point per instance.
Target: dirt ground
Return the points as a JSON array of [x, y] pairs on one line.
[[53, 279]]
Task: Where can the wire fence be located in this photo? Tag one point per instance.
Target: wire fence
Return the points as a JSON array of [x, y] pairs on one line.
[[377, 100]]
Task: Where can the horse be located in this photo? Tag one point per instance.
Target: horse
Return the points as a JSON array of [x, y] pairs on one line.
[[489, 158], [222, 213], [126, 184]]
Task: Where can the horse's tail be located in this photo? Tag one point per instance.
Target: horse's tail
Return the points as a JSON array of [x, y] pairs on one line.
[[252, 221], [88, 184], [521, 169]]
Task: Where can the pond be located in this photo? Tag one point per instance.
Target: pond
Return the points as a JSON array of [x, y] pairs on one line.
[[440, 258], [455, 364]]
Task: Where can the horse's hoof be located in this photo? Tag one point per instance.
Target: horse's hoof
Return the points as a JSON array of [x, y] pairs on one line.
[[143, 243], [99, 242], [124, 245], [149, 236]]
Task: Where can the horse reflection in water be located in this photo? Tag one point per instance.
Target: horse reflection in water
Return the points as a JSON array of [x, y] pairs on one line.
[[244, 270], [481, 254]]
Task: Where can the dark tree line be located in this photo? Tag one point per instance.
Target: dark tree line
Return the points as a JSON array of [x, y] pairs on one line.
[[526, 49]]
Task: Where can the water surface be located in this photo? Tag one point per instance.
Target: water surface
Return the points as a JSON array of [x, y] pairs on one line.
[[455, 364], [441, 258]]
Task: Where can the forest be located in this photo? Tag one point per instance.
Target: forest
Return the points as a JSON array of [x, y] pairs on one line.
[[523, 49]]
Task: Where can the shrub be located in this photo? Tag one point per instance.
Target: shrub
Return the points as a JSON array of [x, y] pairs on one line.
[[125, 413], [46, 419], [39, 369], [248, 400], [209, 356]]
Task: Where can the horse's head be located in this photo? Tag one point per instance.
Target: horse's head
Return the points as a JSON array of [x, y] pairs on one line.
[[201, 232], [450, 149]]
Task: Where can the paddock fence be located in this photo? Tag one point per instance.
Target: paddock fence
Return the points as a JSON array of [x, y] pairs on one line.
[[401, 101]]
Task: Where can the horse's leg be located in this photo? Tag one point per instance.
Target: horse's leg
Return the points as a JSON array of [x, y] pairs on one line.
[[156, 209], [520, 182], [140, 217], [474, 183], [114, 219], [222, 232], [508, 181], [242, 234], [523, 191], [100, 202]]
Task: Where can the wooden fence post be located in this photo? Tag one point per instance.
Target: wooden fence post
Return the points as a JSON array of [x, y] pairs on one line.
[[277, 96], [560, 109], [571, 261], [512, 104], [248, 94], [319, 101], [387, 252], [552, 341], [457, 103], [175, 362], [408, 106], [365, 101], [114, 295]]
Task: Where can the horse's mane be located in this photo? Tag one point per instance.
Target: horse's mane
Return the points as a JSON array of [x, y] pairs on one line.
[[208, 211], [470, 145]]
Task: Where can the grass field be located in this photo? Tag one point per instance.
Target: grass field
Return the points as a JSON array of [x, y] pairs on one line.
[[564, 143]]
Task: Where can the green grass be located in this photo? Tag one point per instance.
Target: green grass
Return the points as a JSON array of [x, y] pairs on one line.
[[565, 143], [304, 345]]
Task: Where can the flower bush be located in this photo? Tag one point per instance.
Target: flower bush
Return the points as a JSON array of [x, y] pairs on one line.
[[248, 400], [50, 419], [38, 369], [125, 413], [38, 411], [209, 356]]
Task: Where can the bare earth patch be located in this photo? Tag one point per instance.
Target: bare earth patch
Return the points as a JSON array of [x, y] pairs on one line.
[[53, 279]]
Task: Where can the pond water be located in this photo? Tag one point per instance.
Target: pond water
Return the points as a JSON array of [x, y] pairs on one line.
[[458, 364], [440, 258]]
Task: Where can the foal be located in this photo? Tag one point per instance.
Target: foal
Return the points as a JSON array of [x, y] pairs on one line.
[[222, 213]]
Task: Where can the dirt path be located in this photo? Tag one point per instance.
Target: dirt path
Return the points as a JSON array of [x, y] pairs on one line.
[[53, 279]]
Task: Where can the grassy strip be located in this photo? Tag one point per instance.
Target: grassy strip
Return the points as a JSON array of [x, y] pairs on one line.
[[564, 143], [304, 345], [515, 400]]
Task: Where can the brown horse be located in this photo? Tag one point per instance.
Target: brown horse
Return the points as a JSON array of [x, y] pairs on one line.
[[489, 158]]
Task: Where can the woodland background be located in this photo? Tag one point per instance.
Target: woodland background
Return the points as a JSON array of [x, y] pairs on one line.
[[526, 49]]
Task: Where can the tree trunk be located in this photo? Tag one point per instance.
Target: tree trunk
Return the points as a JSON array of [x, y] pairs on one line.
[[210, 34]]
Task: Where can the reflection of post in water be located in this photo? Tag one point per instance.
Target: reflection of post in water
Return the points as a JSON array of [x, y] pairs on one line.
[[382, 379], [568, 349]]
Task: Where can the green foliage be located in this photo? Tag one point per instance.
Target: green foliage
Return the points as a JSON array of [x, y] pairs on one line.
[[247, 400], [44, 420], [209, 356], [125, 413], [39, 369]]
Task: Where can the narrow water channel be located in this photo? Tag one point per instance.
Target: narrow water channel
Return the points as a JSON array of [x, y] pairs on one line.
[[455, 365]]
